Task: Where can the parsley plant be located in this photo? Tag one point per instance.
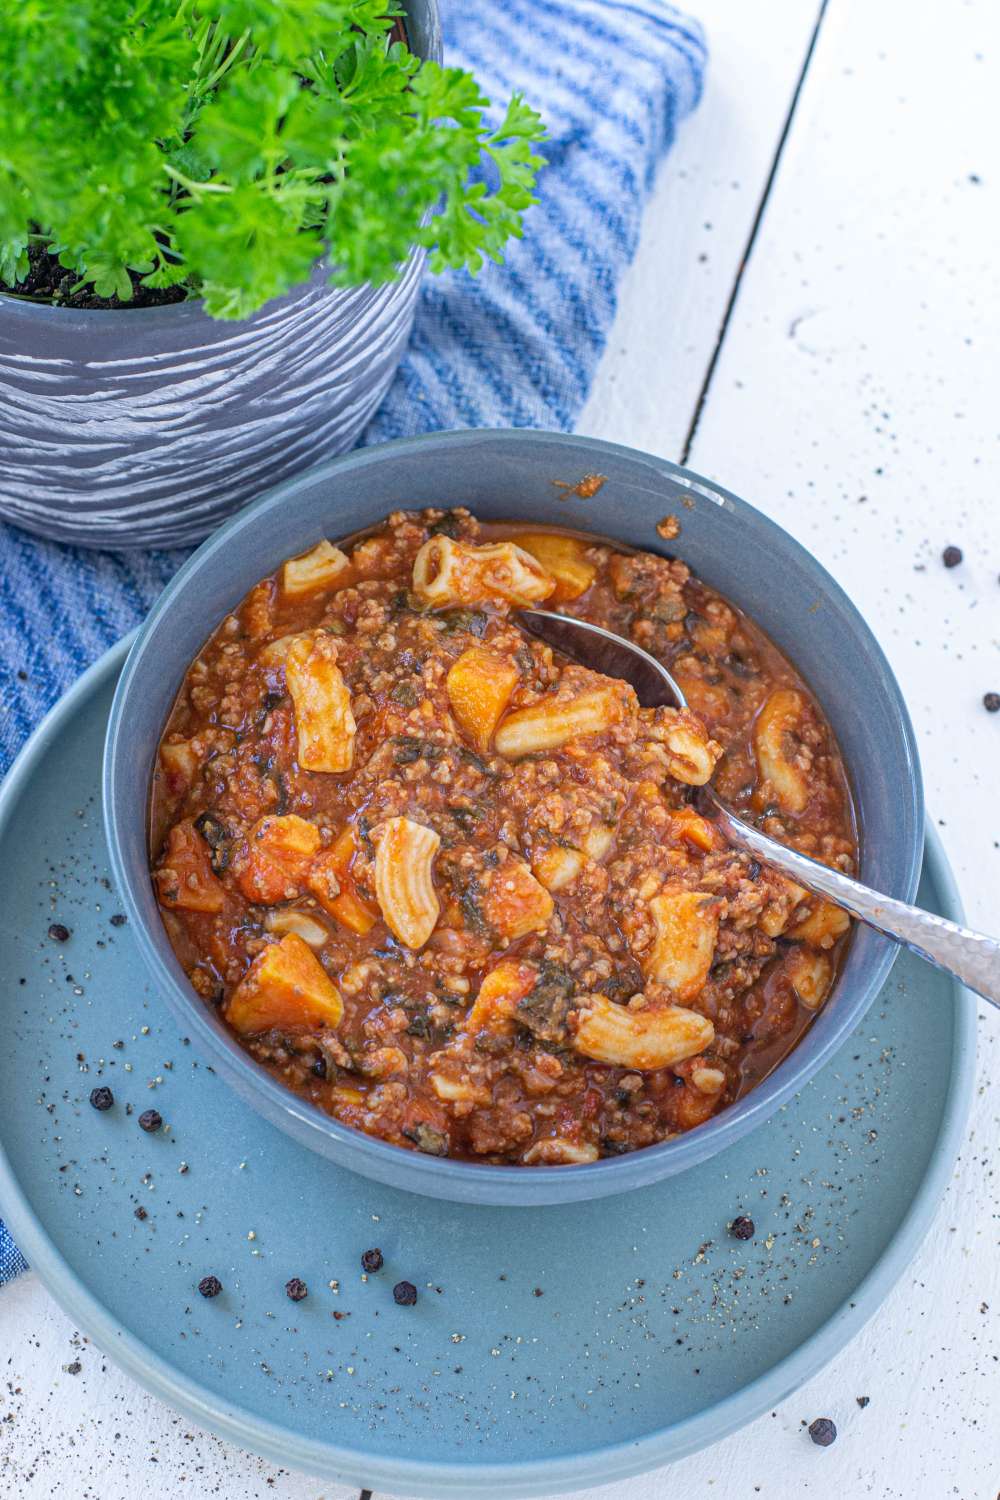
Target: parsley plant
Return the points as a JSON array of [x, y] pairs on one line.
[[228, 147]]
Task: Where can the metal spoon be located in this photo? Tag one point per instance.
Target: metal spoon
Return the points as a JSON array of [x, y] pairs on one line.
[[971, 957]]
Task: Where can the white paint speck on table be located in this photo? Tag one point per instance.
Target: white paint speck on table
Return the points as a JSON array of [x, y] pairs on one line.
[[853, 397]]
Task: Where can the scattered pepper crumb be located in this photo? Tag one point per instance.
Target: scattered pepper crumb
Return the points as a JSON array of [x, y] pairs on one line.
[[823, 1432], [585, 488]]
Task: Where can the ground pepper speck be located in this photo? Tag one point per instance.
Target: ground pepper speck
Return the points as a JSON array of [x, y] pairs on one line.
[[823, 1432]]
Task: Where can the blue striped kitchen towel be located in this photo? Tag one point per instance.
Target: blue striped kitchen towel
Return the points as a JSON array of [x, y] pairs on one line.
[[516, 346]]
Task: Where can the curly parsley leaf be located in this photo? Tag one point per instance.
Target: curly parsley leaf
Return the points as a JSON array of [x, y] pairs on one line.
[[229, 149]]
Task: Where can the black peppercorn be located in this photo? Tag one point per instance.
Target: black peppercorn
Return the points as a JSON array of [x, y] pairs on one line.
[[823, 1431], [141, 1213], [58, 933], [742, 1228], [405, 1293], [210, 1286], [296, 1289], [102, 1098], [371, 1260], [991, 702], [150, 1120], [951, 557]]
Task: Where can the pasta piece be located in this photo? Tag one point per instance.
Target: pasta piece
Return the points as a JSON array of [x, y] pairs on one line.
[[479, 687], [822, 926], [687, 924], [286, 986], [181, 761], [639, 1036], [811, 975], [344, 1095], [299, 922], [404, 862], [185, 879], [557, 1152], [275, 653], [500, 993], [458, 1090], [330, 881], [274, 861], [782, 759], [557, 719], [319, 568], [708, 1080], [691, 753], [324, 723], [778, 912], [565, 557], [515, 903], [557, 866], [447, 573]]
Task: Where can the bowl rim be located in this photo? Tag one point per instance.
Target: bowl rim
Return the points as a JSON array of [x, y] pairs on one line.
[[445, 1177]]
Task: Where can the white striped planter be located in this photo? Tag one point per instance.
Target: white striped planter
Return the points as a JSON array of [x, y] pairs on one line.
[[147, 426]]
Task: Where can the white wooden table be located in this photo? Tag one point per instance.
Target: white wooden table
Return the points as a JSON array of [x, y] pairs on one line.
[[814, 319]]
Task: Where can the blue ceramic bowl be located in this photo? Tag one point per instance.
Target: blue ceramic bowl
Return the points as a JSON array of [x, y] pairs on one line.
[[503, 475]]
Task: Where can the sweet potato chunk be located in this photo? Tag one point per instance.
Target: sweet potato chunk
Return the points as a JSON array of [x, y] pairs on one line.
[[286, 986], [558, 866], [515, 902], [185, 879], [275, 858], [330, 882], [501, 990], [479, 687], [564, 557]]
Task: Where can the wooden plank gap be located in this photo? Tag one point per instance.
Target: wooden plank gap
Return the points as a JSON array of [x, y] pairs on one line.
[[758, 219]]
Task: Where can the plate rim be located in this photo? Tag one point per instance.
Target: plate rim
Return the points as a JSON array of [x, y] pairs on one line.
[[535, 1477]]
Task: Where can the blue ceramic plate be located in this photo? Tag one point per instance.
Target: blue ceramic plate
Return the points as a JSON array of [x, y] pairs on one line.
[[550, 1348]]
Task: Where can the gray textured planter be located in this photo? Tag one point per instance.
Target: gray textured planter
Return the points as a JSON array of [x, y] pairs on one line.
[[148, 426]]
